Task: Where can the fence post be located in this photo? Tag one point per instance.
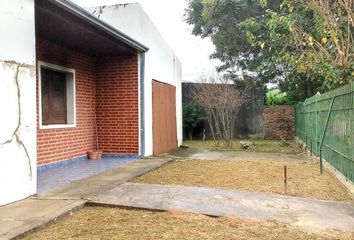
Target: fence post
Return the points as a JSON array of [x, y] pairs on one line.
[[305, 120], [324, 133], [317, 94]]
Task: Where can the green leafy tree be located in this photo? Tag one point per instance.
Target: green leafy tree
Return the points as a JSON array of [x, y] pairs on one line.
[[234, 26], [192, 115], [304, 45]]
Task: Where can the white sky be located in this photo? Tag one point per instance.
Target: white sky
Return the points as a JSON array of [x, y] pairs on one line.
[[167, 15]]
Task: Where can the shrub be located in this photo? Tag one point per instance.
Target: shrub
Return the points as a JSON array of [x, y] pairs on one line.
[[275, 97], [192, 115]]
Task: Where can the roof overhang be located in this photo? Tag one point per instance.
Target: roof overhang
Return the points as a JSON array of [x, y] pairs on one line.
[[66, 23]]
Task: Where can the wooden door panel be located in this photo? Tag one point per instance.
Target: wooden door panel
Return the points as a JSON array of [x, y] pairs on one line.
[[164, 117]]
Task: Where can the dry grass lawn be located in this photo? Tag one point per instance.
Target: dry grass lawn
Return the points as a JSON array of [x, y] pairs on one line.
[[115, 223], [304, 179], [261, 145]]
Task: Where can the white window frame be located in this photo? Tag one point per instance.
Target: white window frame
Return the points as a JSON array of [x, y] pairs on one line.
[[71, 95]]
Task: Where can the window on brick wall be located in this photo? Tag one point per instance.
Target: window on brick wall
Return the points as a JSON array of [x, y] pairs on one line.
[[57, 96]]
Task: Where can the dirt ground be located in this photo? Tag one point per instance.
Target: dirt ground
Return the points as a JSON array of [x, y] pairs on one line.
[[304, 179], [116, 223], [260, 145]]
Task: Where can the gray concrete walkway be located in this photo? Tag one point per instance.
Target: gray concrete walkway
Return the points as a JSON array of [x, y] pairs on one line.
[[223, 202], [248, 156], [21, 217], [24, 216]]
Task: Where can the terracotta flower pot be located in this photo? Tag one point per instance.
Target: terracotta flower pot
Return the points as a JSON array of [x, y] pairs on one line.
[[99, 153], [93, 155]]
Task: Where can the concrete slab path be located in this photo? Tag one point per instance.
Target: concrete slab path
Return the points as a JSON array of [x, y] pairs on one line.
[[223, 202], [24, 216], [248, 156], [31, 214]]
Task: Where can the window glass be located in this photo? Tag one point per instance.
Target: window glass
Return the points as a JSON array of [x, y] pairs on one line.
[[54, 100]]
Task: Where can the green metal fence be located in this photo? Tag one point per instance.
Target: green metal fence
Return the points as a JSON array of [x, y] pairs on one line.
[[325, 124]]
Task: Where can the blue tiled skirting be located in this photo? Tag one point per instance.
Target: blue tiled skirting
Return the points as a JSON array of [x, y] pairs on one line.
[[46, 167], [127, 156]]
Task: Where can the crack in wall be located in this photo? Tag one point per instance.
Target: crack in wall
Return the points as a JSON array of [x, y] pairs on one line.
[[11, 62], [15, 134]]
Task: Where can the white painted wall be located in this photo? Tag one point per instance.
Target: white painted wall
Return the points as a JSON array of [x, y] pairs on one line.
[[160, 61], [18, 169]]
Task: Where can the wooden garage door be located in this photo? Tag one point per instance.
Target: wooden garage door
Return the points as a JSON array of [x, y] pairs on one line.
[[164, 117]]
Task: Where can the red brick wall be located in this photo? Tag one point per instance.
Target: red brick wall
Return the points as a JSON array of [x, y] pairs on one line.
[[279, 122], [60, 144], [117, 106]]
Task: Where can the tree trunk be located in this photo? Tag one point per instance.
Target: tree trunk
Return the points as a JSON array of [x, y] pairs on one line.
[[190, 134]]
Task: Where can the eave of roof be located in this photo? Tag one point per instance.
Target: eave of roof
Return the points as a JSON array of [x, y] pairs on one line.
[[91, 19]]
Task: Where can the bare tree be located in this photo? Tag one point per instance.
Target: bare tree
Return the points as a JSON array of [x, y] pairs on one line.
[[222, 101]]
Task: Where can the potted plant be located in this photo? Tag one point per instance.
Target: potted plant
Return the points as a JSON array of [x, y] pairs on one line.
[[92, 155], [95, 154]]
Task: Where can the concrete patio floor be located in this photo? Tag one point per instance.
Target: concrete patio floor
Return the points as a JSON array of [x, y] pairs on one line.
[[61, 176]]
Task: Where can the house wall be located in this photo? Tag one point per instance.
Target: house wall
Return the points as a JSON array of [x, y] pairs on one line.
[[18, 176], [160, 61], [66, 143], [117, 105], [106, 92]]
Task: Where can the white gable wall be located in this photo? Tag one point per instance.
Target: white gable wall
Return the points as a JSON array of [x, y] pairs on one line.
[[18, 172], [160, 61]]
